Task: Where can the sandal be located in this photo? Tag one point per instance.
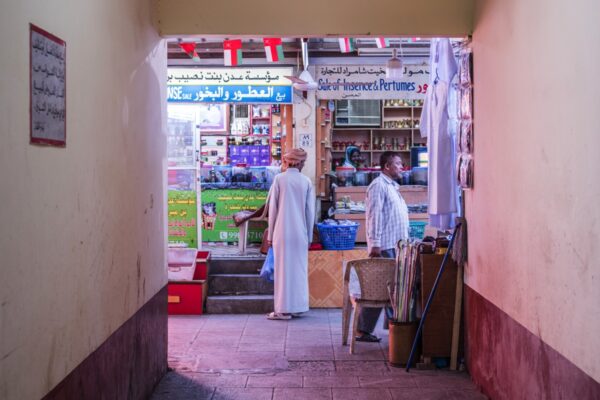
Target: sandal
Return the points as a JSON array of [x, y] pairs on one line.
[[278, 316], [367, 337], [296, 315]]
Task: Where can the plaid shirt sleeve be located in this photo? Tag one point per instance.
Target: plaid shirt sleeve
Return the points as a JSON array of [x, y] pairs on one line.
[[386, 215], [374, 214]]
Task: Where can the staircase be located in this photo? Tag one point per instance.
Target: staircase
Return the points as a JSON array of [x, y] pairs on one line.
[[234, 287]]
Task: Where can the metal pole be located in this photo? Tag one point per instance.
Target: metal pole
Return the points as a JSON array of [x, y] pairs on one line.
[[433, 289]]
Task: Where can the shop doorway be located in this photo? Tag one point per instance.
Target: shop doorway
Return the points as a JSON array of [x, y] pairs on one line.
[[228, 125], [344, 101]]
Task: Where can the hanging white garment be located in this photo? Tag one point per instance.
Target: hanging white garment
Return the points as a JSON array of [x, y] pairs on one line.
[[291, 203], [440, 144]]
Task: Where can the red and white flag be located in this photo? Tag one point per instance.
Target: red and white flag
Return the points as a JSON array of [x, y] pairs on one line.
[[273, 49], [232, 52], [346, 45], [382, 42], [190, 49]]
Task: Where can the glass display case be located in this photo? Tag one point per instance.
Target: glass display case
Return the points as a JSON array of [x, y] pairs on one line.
[[182, 176], [180, 143], [214, 173]]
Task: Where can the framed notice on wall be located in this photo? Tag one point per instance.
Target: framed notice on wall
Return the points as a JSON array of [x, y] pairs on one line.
[[48, 90]]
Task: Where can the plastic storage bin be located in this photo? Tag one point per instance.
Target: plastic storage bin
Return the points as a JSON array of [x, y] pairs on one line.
[[416, 229], [202, 265], [337, 237], [186, 297], [401, 337], [181, 264]]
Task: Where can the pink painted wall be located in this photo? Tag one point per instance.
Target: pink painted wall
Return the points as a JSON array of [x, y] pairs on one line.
[[534, 220], [82, 229]]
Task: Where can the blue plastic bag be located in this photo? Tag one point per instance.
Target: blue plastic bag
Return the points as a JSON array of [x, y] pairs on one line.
[[268, 267]]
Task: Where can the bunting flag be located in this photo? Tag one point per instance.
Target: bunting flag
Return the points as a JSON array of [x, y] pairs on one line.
[[190, 49], [346, 45], [232, 52], [273, 49], [382, 42]]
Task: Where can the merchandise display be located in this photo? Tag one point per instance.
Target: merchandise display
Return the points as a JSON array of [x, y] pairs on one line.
[[219, 166], [213, 150], [247, 142], [227, 177], [397, 129], [464, 145]]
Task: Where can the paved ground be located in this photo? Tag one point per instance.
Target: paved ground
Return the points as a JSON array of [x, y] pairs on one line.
[[222, 357]]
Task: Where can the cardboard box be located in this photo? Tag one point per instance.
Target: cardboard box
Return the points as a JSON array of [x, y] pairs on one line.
[[186, 297]]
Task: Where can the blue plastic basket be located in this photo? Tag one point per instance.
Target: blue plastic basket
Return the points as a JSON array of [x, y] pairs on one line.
[[337, 237], [416, 229]]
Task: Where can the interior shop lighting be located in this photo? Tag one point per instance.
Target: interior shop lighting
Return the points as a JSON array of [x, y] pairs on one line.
[[393, 67]]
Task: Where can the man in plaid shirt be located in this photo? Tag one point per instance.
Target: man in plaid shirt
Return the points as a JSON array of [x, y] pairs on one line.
[[387, 223]]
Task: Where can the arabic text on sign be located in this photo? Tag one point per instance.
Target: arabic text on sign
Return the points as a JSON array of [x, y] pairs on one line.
[[230, 76], [48, 90], [234, 94]]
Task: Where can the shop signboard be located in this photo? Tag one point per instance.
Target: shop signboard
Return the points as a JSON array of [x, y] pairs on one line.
[[368, 82], [218, 207], [182, 218], [229, 85]]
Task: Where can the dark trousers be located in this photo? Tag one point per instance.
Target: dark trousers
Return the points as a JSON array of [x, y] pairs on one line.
[[367, 319]]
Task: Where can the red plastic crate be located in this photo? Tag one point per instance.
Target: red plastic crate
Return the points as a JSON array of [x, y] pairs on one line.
[[186, 297], [202, 263]]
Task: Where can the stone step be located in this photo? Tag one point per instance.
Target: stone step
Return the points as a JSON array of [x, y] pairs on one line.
[[238, 284], [253, 304], [236, 265]]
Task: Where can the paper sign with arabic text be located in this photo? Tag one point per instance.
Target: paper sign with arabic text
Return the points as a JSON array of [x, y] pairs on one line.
[[341, 82]]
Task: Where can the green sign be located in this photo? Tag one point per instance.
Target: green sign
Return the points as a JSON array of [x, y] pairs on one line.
[[218, 207], [183, 218]]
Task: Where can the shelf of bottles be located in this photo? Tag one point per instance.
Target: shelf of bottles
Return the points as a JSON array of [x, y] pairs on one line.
[[276, 133], [399, 131], [255, 140]]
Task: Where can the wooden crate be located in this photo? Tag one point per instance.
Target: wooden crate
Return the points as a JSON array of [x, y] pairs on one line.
[[437, 330]]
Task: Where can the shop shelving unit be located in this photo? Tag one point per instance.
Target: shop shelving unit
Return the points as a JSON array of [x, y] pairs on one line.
[[251, 145], [398, 131], [324, 153], [276, 132], [266, 126]]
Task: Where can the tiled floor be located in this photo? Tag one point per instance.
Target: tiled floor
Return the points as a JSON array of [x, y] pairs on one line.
[[249, 357]]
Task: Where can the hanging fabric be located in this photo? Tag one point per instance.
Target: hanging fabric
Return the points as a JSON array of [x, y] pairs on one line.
[[190, 49], [273, 49], [436, 126], [346, 45], [382, 42], [232, 52]]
